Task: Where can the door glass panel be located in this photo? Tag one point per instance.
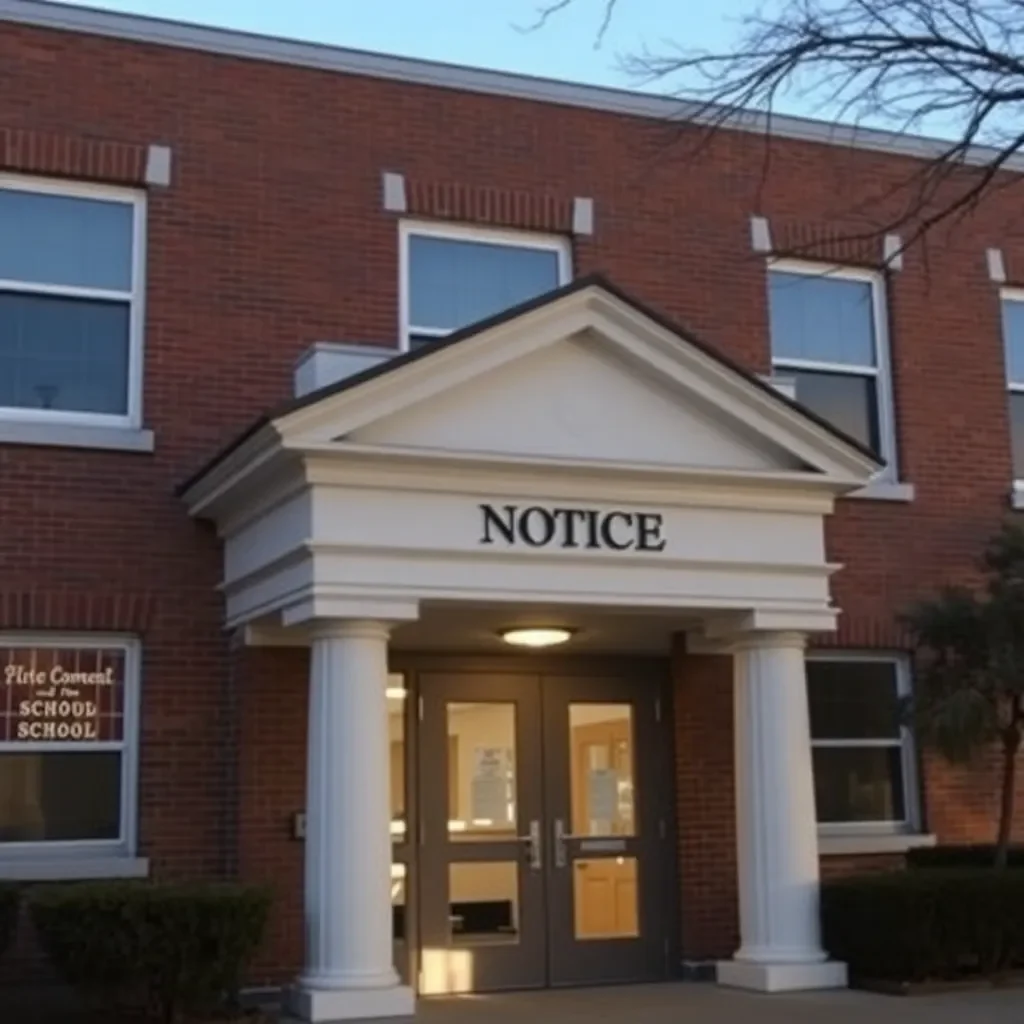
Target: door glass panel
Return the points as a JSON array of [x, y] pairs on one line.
[[601, 765], [605, 898], [481, 772], [396, 694], [483, 902]]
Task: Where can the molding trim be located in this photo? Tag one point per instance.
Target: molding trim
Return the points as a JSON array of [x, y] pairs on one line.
[[884, 490], [394, 192], [854, 845], [158, 166], [582, 216], [996, 265], [64, 435], [40, 868], [892, 252], [246, 45], [760, 235]]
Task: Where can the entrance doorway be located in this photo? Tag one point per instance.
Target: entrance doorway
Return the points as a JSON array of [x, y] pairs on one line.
[[545, 849]]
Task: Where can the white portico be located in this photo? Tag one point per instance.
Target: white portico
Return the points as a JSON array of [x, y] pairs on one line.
[[577, 453]]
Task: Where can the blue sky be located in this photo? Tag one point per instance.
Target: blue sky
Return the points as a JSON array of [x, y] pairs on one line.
[[484, 33]]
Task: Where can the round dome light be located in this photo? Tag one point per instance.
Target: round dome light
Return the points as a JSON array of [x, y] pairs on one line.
[[536, 636]]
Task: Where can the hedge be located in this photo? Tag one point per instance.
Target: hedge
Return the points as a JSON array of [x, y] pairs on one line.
[[9, 903], [940, 924], [980, 855], [171, 950]]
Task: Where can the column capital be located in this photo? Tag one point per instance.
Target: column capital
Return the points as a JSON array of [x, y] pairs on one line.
[[786, 639], [349, 629]]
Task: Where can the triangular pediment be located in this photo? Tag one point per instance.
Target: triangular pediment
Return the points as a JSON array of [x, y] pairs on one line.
[[578, 399], [581, 376]]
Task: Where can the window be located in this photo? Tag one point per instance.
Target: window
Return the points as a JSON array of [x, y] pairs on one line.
[[1013, 342], [70, 303], [68, 722], [452, 277], [828, 334], [863, 757]]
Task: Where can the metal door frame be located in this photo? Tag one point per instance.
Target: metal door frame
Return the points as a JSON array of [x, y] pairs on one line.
[[656, 670]]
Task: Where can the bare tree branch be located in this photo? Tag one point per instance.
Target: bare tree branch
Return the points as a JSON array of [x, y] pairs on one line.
[[947, 68], [547, 11]]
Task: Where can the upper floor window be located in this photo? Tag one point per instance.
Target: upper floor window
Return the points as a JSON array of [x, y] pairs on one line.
[[71, 259], [863, 757], [828, 333], [1013, 341], [68, 744], [454, 276]]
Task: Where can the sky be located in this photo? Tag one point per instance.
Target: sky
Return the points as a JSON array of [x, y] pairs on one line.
[[481, 33]]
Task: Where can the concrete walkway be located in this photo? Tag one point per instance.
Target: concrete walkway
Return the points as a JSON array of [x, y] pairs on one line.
[[703, 1003]]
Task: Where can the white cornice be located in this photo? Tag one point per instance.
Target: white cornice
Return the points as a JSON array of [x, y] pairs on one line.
[[183, 35], [419, 471]]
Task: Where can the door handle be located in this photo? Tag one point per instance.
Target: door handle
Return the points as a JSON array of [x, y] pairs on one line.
[[561, 857], [533, 842], [561, 838]]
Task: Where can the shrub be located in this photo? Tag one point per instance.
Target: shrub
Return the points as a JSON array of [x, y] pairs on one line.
[[9, 902], [170, 949], [943, 923], [980, 855]]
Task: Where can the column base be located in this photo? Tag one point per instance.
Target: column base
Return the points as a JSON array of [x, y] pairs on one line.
[[757, 977], [321, 1006]]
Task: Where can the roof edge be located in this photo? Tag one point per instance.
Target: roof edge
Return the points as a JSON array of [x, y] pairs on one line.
[[252, 46]]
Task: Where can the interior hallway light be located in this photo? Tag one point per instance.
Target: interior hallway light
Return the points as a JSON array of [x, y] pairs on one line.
[[536, 636]]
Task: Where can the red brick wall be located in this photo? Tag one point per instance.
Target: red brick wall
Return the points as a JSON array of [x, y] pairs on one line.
[[272, 236], [272, 787], [705, 805]]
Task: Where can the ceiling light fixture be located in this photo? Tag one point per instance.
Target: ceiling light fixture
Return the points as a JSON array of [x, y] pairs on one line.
[[536, 636]]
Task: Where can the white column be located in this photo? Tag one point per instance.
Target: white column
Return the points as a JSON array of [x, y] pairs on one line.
[[776, 827], [349, 971]]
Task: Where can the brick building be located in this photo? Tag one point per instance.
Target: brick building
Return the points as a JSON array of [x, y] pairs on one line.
[[330, 380]]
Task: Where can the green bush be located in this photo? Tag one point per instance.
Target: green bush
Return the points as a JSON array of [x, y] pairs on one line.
[[9, 902], [944, 923], [980, 855], [173, 950]]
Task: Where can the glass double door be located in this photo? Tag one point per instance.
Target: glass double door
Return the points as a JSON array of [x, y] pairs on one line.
[[545, 850]]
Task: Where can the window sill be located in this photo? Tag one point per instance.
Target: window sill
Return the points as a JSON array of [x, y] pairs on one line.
[[63, 435], [834, 846], [71, 869], [884, 490]]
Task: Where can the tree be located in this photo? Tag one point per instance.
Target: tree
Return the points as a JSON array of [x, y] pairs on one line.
[[955, 67], [969, 689]]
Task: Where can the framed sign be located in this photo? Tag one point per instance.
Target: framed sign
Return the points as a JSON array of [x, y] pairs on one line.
[[62, 694]]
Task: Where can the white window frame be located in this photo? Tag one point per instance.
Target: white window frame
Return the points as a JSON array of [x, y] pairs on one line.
[[125, 846], [134, 298], [558, 244], [911, 823], [881, 372], [1012, 387]]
